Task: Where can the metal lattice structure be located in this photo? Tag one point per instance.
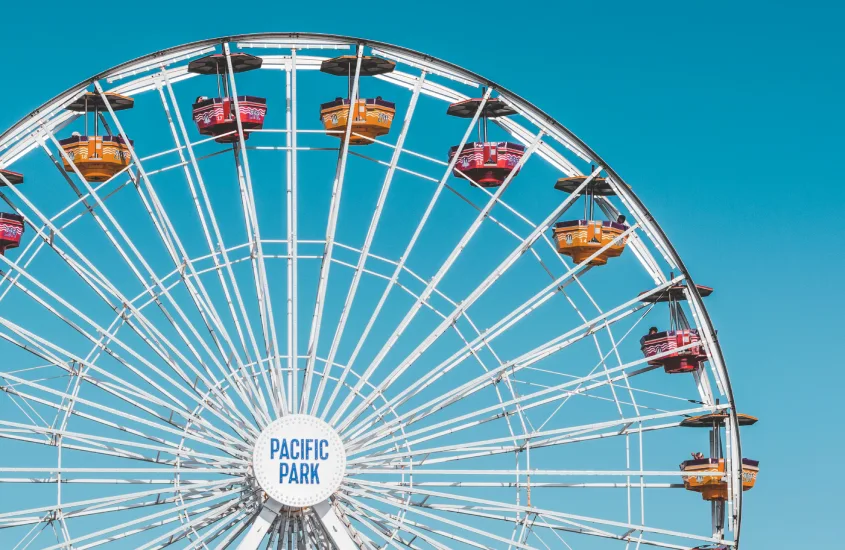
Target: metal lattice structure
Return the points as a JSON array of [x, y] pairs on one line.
[[489, 391]]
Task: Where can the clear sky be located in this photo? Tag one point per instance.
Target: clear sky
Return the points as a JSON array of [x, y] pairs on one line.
[[726, 118]]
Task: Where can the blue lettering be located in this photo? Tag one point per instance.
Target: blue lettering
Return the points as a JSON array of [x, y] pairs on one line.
[[295, 458]]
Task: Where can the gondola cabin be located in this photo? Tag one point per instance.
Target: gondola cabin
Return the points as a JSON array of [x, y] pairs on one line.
[[371, 118], [219, 116], [675, 362], [97, 157], [581, 239], [485, 163], [11, 231], [708, 477], [13, 178], [679, 349]]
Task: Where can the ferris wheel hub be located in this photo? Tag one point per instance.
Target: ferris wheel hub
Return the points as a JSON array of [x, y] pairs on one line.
[[299, 460]]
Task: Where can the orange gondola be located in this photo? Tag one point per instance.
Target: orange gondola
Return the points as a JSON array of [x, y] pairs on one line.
[[97, 157], [581, 239], [216, 116], [708, 475], [371, 118]]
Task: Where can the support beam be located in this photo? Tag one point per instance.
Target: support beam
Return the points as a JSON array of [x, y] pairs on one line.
[[260, 525]]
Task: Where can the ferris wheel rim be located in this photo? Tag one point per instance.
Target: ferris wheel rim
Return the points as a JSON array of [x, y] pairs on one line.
[[555, 127]]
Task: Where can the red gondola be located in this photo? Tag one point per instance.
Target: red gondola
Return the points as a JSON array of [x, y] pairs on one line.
[[708, 475], [218, 116], [11, 225], [679, 336], [485, 163], [11, 231]]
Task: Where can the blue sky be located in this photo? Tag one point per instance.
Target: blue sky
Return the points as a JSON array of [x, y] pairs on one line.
[[726, 119]]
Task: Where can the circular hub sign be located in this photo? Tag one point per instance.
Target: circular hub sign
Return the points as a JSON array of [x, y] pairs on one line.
[[299, 460]]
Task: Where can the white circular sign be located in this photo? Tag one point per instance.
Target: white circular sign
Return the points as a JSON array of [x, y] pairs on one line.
[[299, 460]]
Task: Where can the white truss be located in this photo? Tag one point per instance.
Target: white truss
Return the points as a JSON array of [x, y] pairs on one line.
[[143, 345]]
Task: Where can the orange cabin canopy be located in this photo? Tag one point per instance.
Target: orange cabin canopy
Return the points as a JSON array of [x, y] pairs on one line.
[[219, 116], [580, 239]]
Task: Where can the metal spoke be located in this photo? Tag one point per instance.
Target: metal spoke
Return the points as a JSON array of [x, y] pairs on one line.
[[472, 371]]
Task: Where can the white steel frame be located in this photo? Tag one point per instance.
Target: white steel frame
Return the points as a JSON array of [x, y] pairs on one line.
[[203, 366]]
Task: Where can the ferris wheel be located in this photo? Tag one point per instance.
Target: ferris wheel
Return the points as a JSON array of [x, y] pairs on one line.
[[238, 313]]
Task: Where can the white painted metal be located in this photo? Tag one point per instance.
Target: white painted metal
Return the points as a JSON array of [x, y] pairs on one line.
[[334, 528], [331, 228], [172, 385], [260, 525]]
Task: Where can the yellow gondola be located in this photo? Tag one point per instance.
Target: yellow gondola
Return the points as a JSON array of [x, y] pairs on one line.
[[580, 239], [98, 158], [371, 118], [708, 474]]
